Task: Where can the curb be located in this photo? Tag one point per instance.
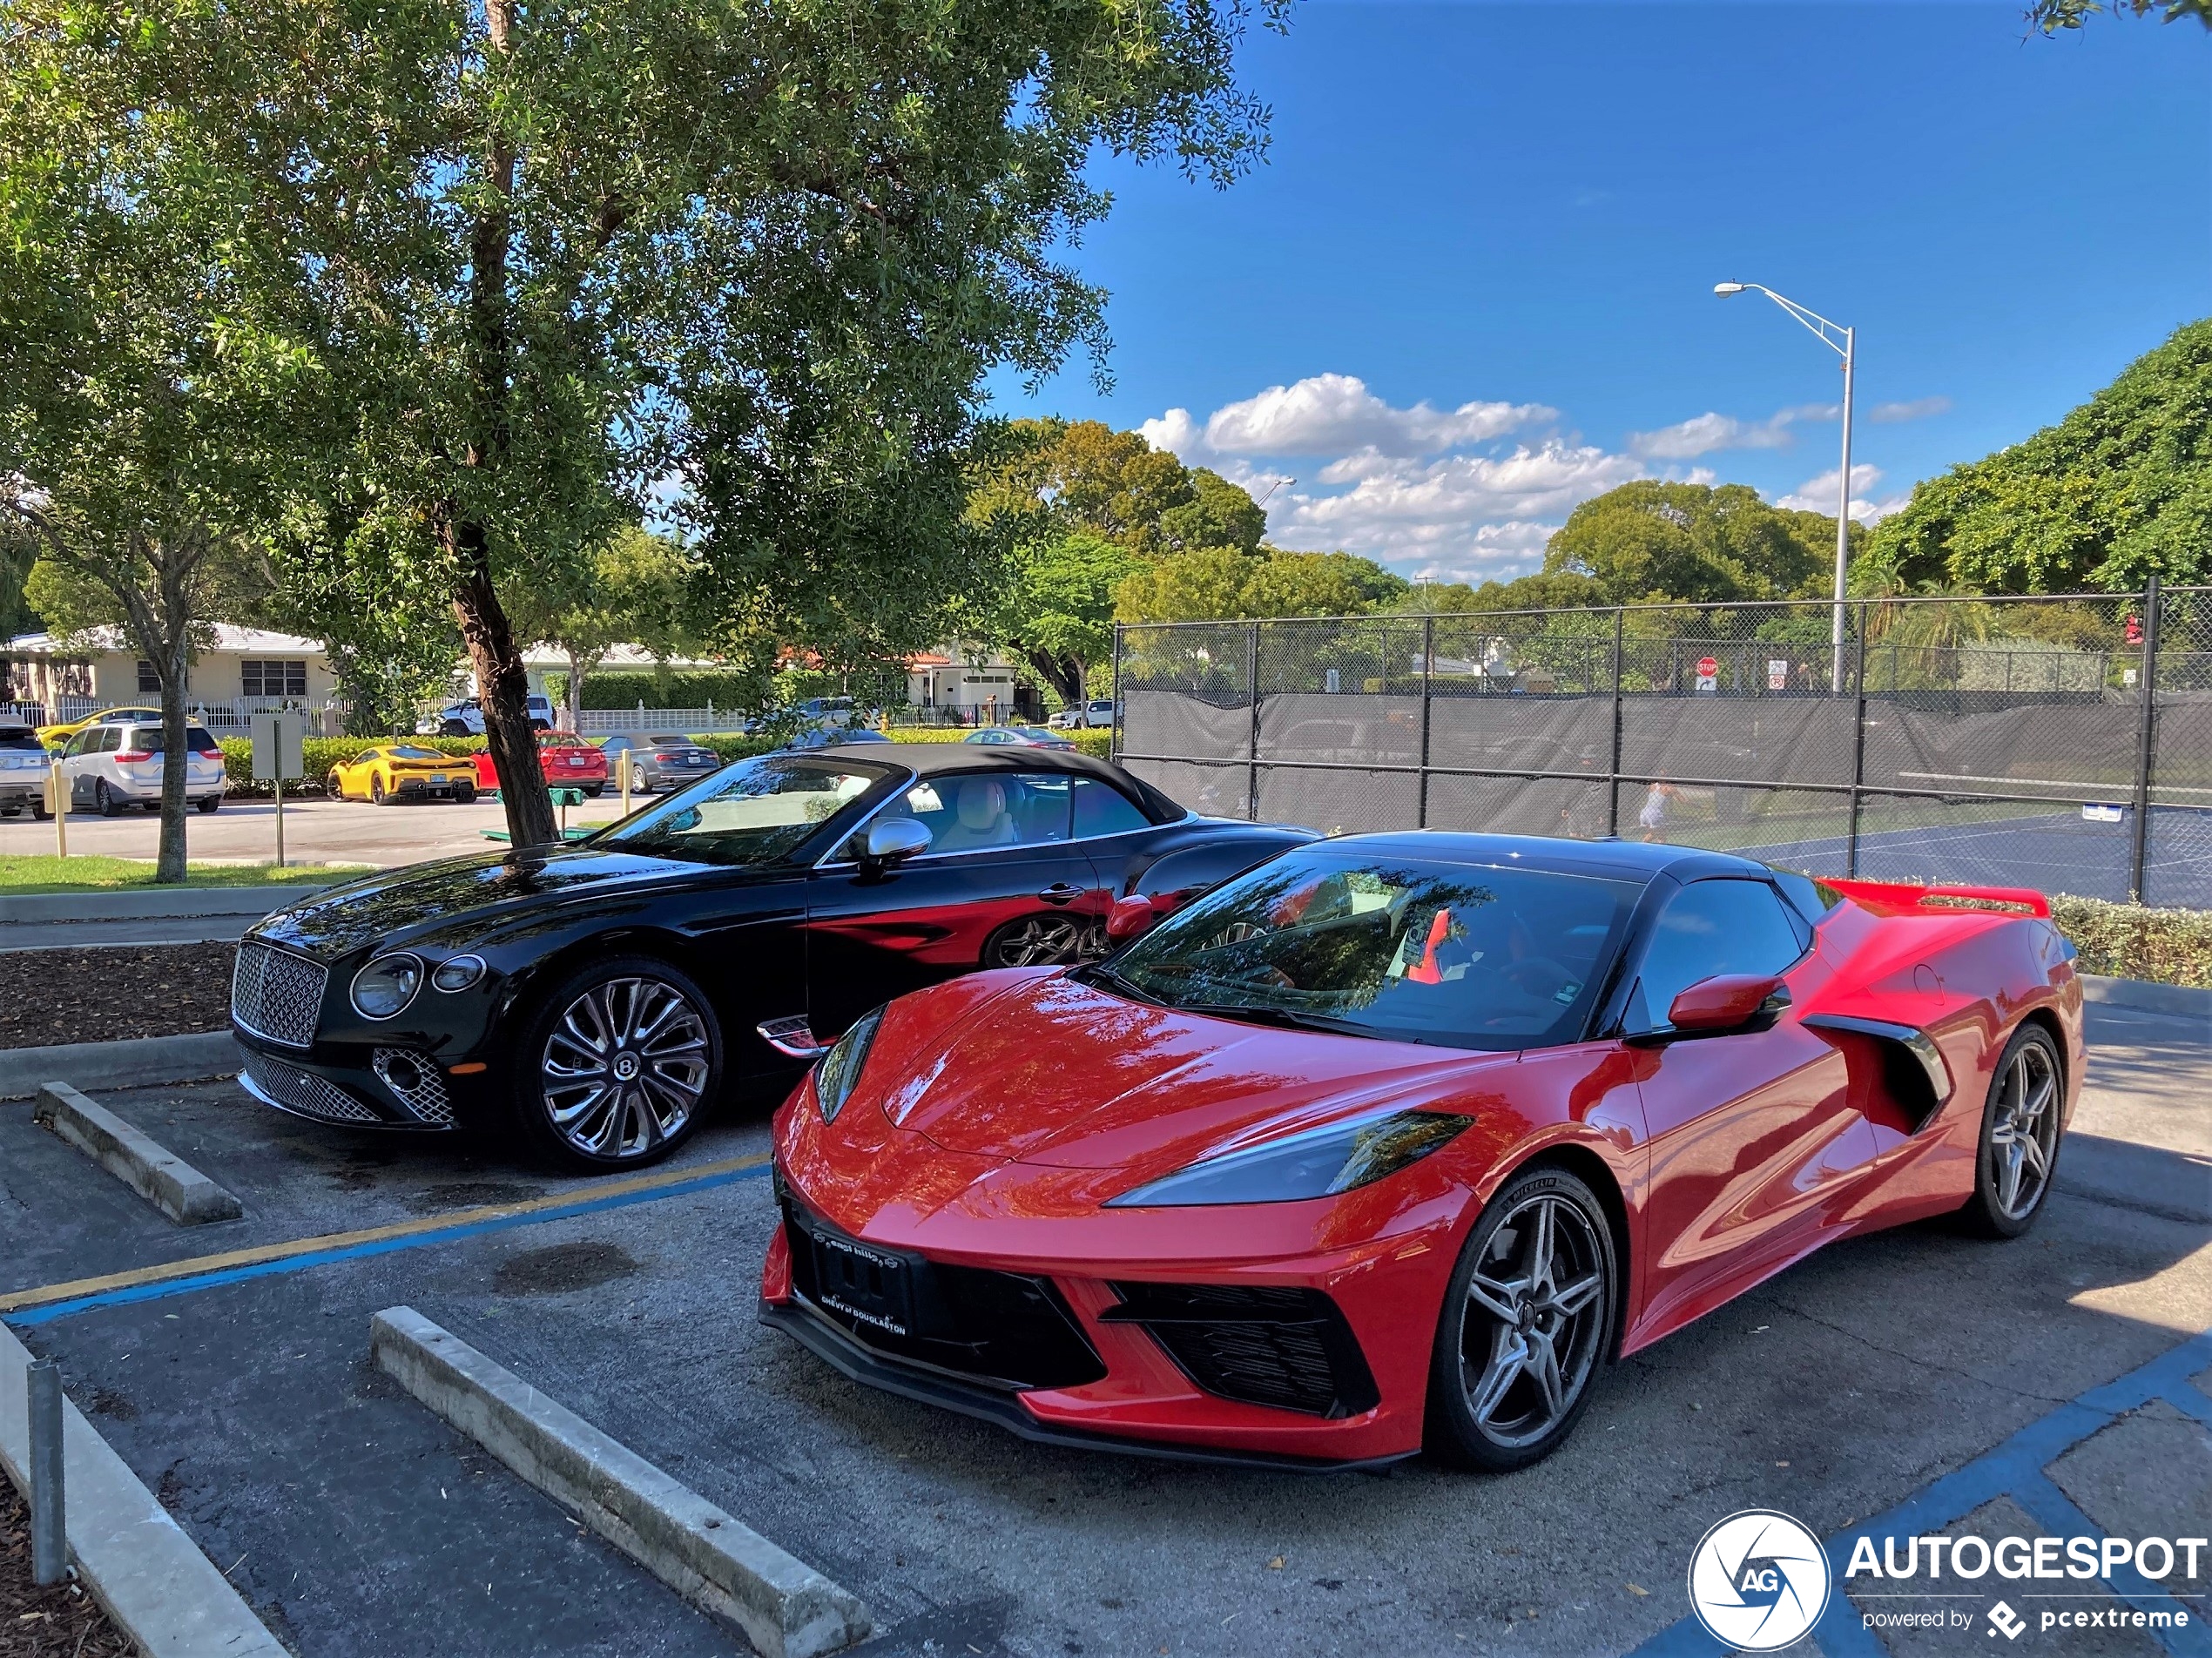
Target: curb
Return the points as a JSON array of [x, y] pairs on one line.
[[786, 1607], [143, 1062], [171, 1184], [2188, 1001], [152, 1580], [160, 903]]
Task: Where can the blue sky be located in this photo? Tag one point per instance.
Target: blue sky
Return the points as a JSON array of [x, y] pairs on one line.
[[1479, 262]]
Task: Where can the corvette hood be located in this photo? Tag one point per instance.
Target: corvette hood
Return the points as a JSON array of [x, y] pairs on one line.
[[1053, 1072], [470, 893]]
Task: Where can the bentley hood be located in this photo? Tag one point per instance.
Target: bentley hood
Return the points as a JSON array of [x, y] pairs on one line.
[[467, 896]]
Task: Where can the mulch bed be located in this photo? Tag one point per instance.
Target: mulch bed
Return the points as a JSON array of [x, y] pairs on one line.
[[61, 1622], [113, 992]]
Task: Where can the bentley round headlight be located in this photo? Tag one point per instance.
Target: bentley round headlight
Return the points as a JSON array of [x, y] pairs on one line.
[[457, 973], [387, 985]]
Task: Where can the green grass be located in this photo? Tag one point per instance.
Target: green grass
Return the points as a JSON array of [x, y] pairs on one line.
[[45, 873]]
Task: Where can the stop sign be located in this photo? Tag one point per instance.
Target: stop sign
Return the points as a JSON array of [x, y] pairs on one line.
[[1707, 667]]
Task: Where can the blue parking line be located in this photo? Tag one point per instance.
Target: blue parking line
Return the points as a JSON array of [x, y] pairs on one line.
[[2014, 1469], [134, 1293]]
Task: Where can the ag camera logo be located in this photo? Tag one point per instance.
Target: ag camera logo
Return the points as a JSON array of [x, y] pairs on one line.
[[1758, 1580]]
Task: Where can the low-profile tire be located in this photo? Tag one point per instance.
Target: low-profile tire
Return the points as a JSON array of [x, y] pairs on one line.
[[104, 800], [617, 1065], [335, 786], [464, 794], [376, 795], [209, 802], [1527, 1320], [595, 789], [1045, 941], [2018, 1151]]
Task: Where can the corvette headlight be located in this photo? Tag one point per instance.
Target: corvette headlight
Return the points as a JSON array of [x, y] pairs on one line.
[[387, 985], [1320, 1162], [837, 1071]]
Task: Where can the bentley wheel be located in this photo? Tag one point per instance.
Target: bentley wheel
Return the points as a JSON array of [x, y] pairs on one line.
[[1035, 941], [2020, 1136], [622, 1058], [1526, 1319]]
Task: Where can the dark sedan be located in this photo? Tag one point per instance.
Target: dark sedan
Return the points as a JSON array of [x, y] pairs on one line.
[[602, 994]]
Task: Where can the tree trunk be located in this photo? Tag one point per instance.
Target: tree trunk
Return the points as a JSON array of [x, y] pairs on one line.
[[176, 758], [1063, 674], [575, 697], [505, 684]]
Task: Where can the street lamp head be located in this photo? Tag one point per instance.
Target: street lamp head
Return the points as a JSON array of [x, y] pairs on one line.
[[1726, 288]]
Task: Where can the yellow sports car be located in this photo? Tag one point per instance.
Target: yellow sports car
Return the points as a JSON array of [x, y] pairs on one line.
[[55, 735], [401, 772]]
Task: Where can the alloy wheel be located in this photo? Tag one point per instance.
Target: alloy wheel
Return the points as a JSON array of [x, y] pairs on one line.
[[2024, 1131], [624, 1067], [1039, 941], [1530, 1330]]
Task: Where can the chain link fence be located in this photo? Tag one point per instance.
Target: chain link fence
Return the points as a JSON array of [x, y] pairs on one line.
[[2060, 742]]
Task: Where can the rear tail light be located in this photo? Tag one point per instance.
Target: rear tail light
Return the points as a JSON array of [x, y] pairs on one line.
[[131, 754], [665, 757]]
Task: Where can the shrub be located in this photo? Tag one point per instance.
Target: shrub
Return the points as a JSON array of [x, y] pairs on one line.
[[2134, 941]]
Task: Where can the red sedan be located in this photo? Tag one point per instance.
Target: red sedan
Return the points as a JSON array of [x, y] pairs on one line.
[[570, 762], [1395, 1141]]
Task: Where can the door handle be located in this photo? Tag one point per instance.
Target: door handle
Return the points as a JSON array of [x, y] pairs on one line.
[[1061, 893]]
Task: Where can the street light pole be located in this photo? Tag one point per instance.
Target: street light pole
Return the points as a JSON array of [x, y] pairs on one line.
[[1844, 341]]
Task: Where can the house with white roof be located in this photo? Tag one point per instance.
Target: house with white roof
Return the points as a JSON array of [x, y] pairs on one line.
[[243, 670]]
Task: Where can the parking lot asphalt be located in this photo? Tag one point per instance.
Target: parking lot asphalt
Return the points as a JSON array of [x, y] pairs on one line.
[[315, 830], [357, 1523]]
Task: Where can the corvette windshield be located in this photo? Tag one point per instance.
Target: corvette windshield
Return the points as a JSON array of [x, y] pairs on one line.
[[1461, 954], [756, 812]]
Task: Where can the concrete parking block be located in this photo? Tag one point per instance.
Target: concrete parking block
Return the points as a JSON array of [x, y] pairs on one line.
[[786, 1607], [171, 1184], [145, 1061], [160, 1590]]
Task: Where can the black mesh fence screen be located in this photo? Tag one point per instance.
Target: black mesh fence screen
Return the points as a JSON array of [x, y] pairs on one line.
[[2001, 741]]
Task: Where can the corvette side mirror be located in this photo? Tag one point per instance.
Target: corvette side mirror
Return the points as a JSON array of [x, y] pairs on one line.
[[895, 839], [1729, 1002], [1129, 916]]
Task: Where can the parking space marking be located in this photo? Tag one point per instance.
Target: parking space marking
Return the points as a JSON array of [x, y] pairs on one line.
[[2014, 1469], [24, 1308]]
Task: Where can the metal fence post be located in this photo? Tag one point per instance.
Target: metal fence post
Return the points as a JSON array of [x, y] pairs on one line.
[[49, 1526], [1252, 686], [1613, 761], [2139, 851], [1428, 664], [1858, 746], [1114, 743]]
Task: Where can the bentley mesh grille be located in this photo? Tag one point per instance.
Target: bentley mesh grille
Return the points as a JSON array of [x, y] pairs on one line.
[[276, 996], [426, 1097], [305, 1092]]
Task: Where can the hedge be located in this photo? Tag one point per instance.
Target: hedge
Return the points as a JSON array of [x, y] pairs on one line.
[[2134, 941]]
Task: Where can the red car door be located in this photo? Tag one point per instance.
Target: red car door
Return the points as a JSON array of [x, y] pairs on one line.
[[1752, 1136]]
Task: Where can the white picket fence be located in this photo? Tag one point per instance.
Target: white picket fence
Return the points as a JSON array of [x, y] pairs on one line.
[[592, 722], [232, 716]]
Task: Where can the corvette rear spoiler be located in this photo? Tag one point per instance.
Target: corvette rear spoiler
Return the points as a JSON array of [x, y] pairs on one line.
[[1903, 898]]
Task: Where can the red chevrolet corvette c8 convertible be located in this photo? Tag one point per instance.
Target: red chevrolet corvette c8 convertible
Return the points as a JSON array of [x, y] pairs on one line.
[[1395, 1140]]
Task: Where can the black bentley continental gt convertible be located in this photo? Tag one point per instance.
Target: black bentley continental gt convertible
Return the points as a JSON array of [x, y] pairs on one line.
[[602, 995]]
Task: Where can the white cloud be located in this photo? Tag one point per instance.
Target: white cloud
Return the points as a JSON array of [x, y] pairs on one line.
[[1704, 434], [1818, 495], [1919, 408], [1332, 414]]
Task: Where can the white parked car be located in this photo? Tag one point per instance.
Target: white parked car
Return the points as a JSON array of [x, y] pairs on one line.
[[465, 717], [109, 767], [23, 767], [1098, 711]]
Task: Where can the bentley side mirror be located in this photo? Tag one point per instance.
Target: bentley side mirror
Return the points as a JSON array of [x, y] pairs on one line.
[[895, 839], [1729, 1002], [1130, 917]]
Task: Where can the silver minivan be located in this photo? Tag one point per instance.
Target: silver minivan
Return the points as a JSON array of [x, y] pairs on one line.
[[109, 767], [23, 765]]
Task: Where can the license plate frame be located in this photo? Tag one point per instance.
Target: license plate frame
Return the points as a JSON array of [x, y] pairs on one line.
[[873, 1287]]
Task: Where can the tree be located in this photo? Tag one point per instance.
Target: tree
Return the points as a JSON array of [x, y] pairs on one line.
[[1083, 474], [634, 587], [2118, 491], [1220, 584], [1565, 591], [2051, 15], [1695, 543], [1060, 608], [550, 255]]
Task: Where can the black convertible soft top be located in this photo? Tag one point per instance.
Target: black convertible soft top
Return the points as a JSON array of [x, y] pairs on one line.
[[934, 759]]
